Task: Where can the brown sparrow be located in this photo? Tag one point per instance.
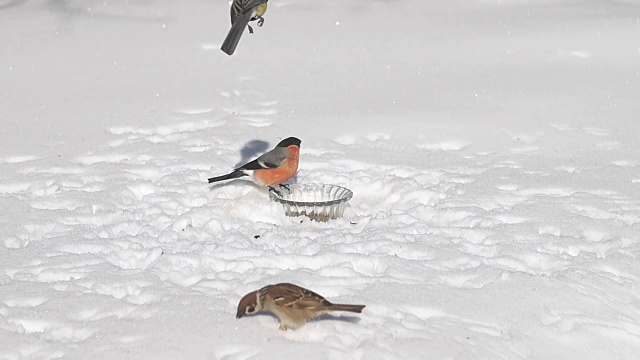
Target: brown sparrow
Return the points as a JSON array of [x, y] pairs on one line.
[[292, 304]]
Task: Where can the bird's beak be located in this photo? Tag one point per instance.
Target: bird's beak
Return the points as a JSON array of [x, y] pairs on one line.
[[238, 315]]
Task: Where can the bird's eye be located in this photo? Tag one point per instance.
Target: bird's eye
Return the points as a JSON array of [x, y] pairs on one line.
[[249, 310]]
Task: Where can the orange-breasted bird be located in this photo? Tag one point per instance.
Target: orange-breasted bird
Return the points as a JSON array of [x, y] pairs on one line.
[[271, 168]]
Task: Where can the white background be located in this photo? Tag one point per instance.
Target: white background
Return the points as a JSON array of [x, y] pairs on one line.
[[492, 147]]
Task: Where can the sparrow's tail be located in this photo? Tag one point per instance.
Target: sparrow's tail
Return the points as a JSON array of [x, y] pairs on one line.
[[235, 33], [343, 307], [234, 175]]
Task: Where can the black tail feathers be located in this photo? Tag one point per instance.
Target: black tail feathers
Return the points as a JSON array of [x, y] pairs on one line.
[[234, 175], [235, 33]]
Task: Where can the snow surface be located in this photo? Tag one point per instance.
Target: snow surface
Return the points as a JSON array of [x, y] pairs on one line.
[[492, 147]]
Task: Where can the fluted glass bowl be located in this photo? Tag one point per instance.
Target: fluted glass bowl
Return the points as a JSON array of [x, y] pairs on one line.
[[319, 202]]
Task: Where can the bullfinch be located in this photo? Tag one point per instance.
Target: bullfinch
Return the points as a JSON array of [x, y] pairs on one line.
[[271, 168]]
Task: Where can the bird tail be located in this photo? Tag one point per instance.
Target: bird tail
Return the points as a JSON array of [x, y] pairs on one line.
[[351, 308], [235, 33], [233, 175]]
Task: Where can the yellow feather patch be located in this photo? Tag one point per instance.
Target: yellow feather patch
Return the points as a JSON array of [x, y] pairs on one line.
[[261, 9]]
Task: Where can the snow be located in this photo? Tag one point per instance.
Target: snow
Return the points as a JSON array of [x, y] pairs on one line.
[[492, 148]]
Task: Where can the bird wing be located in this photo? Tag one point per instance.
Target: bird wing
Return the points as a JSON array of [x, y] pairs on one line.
[[293, 296], [268, 160]]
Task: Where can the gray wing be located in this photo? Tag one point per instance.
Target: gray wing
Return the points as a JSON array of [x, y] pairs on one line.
[[268, 160]]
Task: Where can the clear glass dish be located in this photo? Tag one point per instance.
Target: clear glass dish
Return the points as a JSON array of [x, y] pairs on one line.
[[319, 202]]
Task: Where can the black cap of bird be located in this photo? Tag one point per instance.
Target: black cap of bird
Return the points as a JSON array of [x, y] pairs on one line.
[[243, 11]]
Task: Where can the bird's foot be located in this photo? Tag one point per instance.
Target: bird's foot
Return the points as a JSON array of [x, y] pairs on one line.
[[279, 189], [250, 29], [260, 21], [285, 186], [271, 188], [283, 327]]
